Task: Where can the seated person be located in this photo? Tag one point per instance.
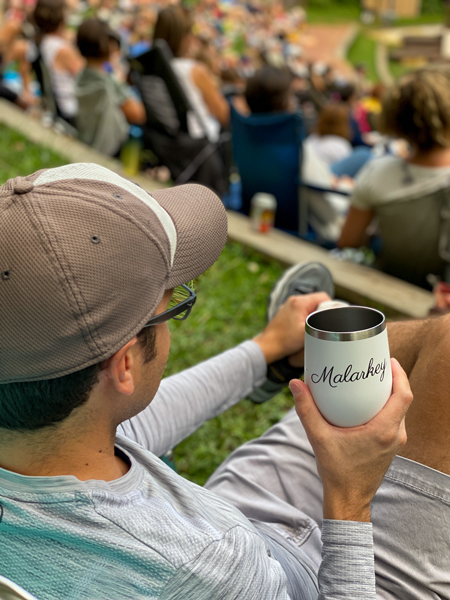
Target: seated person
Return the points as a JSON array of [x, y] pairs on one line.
[[90, 515], [61, 58], [16, 46], [269, 91], [330, 142], [408, 196], [210, 108], [106, 106]]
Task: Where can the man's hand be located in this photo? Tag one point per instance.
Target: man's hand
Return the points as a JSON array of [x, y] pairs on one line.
[[353, 461], [284, 335]]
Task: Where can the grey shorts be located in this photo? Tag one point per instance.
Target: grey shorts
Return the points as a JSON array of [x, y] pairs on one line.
[[274, 480]]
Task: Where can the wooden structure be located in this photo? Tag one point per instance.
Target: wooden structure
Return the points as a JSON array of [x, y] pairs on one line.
[[419, 48], [399, 8]]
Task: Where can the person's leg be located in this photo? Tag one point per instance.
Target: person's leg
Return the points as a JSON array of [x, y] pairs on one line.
[[274, 478], [411, 510], [423, 349]]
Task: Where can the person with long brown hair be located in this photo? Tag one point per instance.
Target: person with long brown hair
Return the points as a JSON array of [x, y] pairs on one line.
[[61, 58], [174, 25]]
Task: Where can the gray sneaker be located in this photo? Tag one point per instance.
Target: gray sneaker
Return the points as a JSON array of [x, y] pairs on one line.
[[304, 278]]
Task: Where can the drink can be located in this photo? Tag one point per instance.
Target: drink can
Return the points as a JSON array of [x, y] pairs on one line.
[[262, 212]]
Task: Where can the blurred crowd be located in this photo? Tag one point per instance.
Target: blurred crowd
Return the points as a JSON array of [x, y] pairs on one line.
[[378, 159]]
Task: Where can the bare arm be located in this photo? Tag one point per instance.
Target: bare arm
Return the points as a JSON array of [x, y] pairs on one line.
[[407, 338], [353, 233], [134, 111], [214, 100], [69, 59]]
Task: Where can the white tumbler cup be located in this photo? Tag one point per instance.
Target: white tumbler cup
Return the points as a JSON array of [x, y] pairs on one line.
[[347, 363]]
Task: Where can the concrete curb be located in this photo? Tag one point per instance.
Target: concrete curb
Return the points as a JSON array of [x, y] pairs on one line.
[[73, 150]]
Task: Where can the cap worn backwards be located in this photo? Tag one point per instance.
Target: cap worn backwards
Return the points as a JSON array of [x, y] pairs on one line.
[[85, 258]]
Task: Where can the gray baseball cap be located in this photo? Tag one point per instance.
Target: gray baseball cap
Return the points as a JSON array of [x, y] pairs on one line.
[[85, 258]]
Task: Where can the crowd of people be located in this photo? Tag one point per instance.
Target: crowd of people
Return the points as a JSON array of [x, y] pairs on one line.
[[308, 511], [250, 55]]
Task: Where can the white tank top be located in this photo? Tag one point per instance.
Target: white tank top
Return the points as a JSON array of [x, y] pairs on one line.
[[200, 115], [63, 82]]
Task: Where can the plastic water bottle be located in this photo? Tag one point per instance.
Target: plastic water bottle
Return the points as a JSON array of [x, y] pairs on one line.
[[130, 154], [235, 192]]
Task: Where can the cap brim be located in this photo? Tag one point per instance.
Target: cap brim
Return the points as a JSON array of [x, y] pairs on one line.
[[201, 224]]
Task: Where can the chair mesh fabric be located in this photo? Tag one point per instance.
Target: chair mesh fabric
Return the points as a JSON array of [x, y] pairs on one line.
[[267, 153]]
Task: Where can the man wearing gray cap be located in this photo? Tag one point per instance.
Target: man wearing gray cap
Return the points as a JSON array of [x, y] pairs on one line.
[[88, 264]]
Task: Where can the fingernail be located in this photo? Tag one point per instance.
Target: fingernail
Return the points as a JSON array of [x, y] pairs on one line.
[[295, 387]]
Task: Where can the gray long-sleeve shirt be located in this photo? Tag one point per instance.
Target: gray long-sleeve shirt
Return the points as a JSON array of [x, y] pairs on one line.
[[152, 534]]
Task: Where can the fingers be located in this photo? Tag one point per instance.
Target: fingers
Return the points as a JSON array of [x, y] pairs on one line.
[[309, 302], [401, 398], [306, 408]]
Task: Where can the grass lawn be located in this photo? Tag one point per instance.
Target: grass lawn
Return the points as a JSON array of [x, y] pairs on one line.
[[337, 13], [363, 51], [230, 308]]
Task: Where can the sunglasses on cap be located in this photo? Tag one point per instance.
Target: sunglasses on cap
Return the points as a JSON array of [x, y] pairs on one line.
[[180, 306]]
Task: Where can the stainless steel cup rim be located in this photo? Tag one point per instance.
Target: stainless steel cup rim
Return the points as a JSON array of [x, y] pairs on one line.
[[345, 336]]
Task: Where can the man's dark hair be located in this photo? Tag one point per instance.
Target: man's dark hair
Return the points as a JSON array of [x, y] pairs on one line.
[[32, 405], [93, 39], [49, 15], [268, 90]]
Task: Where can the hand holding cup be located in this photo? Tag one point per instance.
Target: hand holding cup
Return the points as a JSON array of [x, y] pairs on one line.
[[352, 461]]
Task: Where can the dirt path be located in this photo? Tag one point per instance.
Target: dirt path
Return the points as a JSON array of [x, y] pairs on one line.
[[327, 43]]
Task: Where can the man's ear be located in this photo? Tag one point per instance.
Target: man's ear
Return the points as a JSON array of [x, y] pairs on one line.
[[118, 368]]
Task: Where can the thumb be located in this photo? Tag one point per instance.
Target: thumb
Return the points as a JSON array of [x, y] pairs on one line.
[[306, 408]]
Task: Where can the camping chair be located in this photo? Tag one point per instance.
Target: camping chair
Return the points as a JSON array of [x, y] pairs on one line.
[[267, 151], [48, 97], [166, 130], [415, 235], [11, 591]]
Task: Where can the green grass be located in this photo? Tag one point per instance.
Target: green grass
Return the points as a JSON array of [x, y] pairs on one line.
[[337, 13], [363, 51], [230, 308], [18, 156], [397, 69]]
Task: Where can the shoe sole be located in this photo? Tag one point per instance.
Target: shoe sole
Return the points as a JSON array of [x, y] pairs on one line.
[[282, 285]]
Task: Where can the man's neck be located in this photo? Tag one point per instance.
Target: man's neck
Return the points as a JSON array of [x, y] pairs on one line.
[[51, 453]]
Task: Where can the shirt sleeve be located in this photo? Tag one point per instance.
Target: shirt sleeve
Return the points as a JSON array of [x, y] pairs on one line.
[[362, 192], [347, 571], [186, 400], [236, 566], [121, 90]]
